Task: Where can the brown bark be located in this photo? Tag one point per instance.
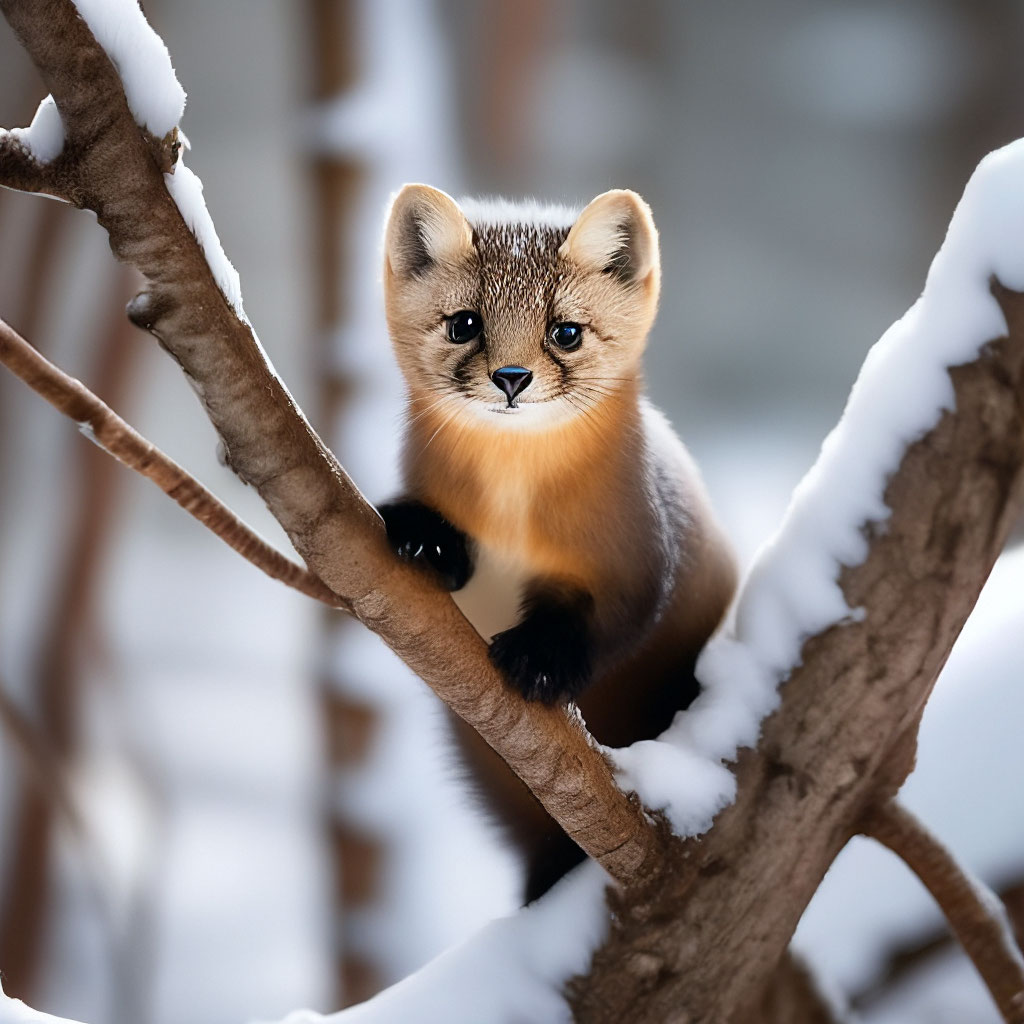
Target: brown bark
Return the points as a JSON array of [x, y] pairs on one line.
[[113, 168], [792, 997]]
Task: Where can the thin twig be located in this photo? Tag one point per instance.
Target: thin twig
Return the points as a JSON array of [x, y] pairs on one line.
[[101, 424], [973, 911]]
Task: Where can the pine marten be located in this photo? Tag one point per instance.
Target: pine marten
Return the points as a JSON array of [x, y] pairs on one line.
[[540, 484]]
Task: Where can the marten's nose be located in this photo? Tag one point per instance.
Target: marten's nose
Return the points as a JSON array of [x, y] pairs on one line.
[[512, 380]]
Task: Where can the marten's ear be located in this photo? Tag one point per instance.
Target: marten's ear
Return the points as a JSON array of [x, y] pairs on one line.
[[615, 235], [425, 227]]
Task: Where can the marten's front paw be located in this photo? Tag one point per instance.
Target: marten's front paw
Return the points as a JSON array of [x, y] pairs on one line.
[[422, 536], [545, 657]]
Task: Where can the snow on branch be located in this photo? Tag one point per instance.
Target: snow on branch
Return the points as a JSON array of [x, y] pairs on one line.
[[14, 1011], [157, 221], [794, 589]]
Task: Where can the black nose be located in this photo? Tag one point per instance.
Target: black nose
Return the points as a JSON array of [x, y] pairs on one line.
[[512, 380]]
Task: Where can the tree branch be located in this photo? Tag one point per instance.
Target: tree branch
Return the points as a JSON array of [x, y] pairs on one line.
[[974, 912], [844, 736], [114, 171], [103, 426]]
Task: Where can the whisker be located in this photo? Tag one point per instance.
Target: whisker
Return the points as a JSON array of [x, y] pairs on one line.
[[444, 423]]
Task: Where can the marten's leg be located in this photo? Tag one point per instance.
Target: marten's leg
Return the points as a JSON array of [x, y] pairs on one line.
[[548, 655], [422, 536]]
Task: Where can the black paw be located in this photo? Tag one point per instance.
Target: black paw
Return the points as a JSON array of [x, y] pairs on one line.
[[422, 536], [547, 656]]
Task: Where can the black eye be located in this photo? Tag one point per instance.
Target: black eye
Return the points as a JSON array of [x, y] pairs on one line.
[[464, 326], [566, 336]]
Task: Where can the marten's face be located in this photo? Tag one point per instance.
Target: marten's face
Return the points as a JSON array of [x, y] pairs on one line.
[[513, 316]]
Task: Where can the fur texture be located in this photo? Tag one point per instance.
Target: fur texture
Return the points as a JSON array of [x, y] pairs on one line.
[[600, 571]]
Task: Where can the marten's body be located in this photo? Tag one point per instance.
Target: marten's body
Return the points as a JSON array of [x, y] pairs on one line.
[[559, 506]]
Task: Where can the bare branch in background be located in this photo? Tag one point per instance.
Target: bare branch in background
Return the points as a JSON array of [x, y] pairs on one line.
[[352, 724], [39, 761], [58, 668], [974, 913]]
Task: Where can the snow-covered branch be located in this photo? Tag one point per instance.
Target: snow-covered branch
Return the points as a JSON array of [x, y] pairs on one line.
[[118, 155], [856, 603]]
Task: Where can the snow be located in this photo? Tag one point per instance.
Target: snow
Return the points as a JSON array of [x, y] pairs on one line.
[[154, 94], [14, 1011], [511, 972], [792, 591], [157, 102], [44, 137], [688, 786], [187, 192]]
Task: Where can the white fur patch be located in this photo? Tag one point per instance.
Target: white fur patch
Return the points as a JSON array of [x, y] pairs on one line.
[[491, 598], [528, 212]]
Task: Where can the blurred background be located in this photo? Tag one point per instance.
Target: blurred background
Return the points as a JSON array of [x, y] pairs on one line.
[[219, 802]]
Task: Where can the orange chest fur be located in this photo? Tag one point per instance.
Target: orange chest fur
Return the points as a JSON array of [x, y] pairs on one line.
[[523, 496]]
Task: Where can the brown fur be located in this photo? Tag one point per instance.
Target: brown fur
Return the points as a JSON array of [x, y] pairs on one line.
[[594, 492]]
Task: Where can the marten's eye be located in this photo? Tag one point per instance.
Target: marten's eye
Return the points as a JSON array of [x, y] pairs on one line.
[[566, 336], [464, 326]]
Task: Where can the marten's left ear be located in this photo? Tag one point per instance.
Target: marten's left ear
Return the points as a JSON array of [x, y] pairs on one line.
[[615, 235], [425, 227]]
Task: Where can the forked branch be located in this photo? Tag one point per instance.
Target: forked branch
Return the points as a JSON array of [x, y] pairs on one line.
[[974, 912]]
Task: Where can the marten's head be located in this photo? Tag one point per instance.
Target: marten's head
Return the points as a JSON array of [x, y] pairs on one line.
[[517, 314]]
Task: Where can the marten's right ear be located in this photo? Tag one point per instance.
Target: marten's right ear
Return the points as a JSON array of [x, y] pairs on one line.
[[425, 227], [615, 235]]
